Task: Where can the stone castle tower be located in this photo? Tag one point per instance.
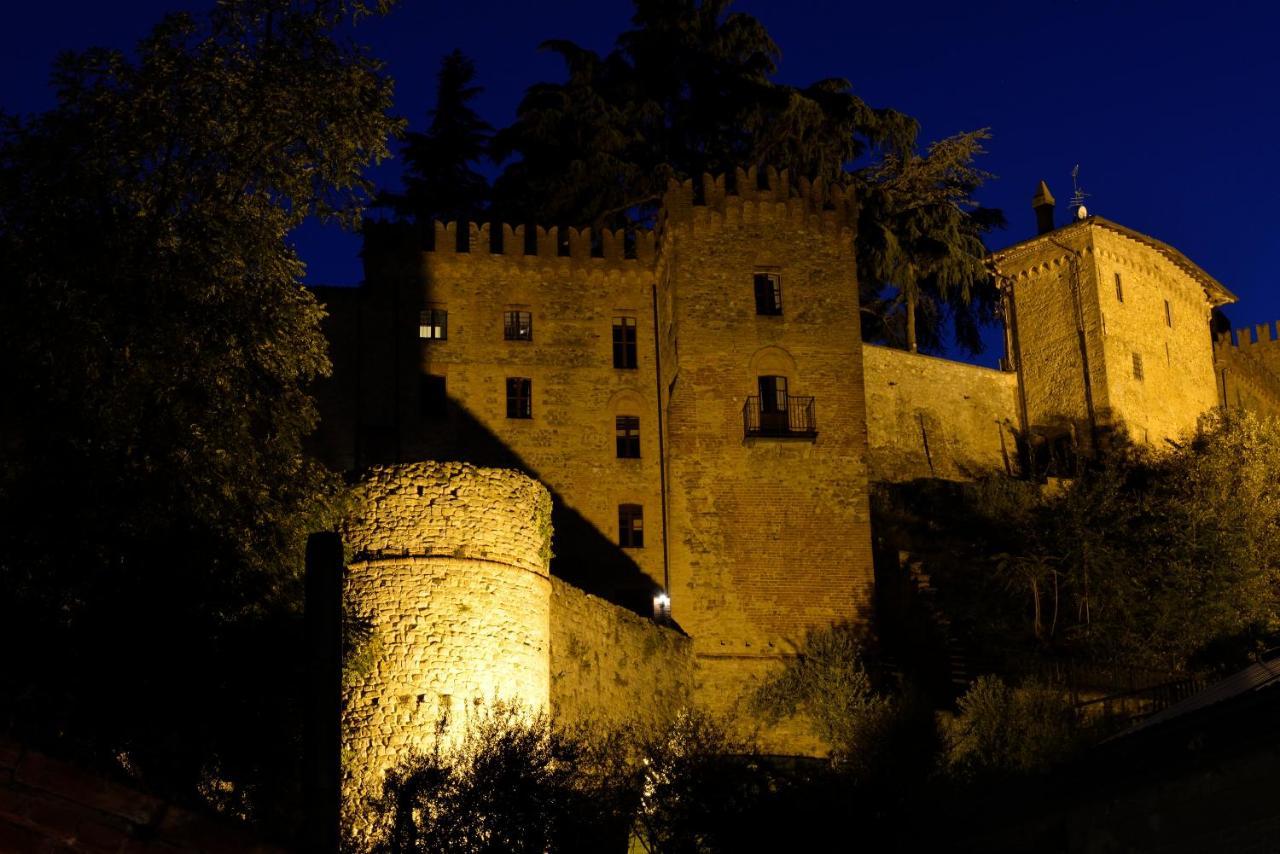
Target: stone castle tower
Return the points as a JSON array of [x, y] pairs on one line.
[[1107, 328], [691, 397], [706, 423]]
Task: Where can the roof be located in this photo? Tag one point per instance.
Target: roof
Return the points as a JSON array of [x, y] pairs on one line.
[[1213, 289], [1256, 677]]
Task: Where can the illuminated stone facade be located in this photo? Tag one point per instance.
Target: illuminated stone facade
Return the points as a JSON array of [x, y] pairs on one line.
[[1109, 329], [754, 517], [448, 568], [699, 406]]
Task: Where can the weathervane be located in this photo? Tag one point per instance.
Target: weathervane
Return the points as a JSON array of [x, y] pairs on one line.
[[1078, 195]]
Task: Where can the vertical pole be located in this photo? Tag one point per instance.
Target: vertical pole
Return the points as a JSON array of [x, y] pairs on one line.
[[323, 629]]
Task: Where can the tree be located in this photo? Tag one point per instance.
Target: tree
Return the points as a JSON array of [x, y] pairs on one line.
[[920, 232], [1001, 730], [157, 346], [1167, 560], [689, 90], [828, 683], [440, 179]]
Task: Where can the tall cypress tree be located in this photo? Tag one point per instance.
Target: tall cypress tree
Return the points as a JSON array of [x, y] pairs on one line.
[[440, 181]]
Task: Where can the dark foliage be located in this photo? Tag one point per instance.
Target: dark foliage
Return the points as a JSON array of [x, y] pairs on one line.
[[690, 90], [157, 345], [1165, 561], [440, 181]]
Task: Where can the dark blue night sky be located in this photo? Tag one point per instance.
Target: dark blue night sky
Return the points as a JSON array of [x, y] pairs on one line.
[[1172, 109]]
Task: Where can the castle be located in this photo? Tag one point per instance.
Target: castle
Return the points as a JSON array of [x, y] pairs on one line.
[[688, 418]]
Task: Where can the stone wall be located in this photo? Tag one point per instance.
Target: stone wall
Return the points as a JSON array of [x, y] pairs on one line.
[[1248, 369], [610, 666], [769, 535], [450, 574], [931, 417], [1177, 384], [1057, 332], [1091, 355], [569, 442]]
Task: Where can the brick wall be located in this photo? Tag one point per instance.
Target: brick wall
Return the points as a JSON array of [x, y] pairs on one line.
[[768, 536], [1177, 385]]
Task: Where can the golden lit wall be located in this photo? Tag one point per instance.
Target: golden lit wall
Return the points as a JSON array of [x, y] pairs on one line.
[[769, 537], [577, 393], [931, 417], [1056, 311], [612, 666], [448, 563], [1068, 314], [1177, 384], [1248, 369]]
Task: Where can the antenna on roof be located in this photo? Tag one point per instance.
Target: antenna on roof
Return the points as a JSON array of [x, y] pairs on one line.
[[1078, 195]]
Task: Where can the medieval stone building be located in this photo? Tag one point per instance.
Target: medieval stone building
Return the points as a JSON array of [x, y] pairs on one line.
[[699, 406]]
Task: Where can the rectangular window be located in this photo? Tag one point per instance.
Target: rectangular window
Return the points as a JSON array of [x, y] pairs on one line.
[[431, 395], [624, 342], [434, 324], [1119, 289], [1137, 366], [519, 397], [1168, 314], [627, 428], [768, 293], [517, 325], [631, 526]]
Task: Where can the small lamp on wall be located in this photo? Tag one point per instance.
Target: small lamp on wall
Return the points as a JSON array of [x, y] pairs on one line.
[[661, 606]]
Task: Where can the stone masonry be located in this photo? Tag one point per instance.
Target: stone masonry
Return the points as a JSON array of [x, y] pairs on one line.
[[756, 420]]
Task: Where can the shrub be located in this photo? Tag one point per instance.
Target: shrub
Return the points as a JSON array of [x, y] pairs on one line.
[[1006, 730], [516, 783]]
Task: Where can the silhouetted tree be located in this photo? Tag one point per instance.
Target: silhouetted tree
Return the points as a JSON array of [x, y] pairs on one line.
[[689, 90], [920, 233], [439, 180], [157, 344]]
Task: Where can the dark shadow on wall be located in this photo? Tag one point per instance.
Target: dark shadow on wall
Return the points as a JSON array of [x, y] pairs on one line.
[[582, 555]]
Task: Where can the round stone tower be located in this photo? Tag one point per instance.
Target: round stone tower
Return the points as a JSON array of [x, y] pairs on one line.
[[448, 568]]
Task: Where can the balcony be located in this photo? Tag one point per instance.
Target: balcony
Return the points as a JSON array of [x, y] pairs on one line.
[[793, 419]]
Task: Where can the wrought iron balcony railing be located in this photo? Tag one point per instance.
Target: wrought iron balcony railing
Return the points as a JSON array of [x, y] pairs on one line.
[[792, 417]]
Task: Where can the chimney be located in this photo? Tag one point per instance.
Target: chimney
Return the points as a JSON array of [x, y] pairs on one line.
[[1042, 202]]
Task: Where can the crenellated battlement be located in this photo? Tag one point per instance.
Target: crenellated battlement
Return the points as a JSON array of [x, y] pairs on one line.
[[1260, 335], [608, 247], [750, 195], [746, 196]]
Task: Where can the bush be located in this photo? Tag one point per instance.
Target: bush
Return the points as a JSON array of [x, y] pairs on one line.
[[828, 685], [517, 783], [1004, 730], [702, 788]]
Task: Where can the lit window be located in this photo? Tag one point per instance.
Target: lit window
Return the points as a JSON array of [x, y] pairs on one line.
[[624, 342], [434, 324], [431, 395], [1119, 289], [1168, 314], [628, 436], [768, 293], [631, 526], [517, 325], [519, 397], [1137, 366]]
